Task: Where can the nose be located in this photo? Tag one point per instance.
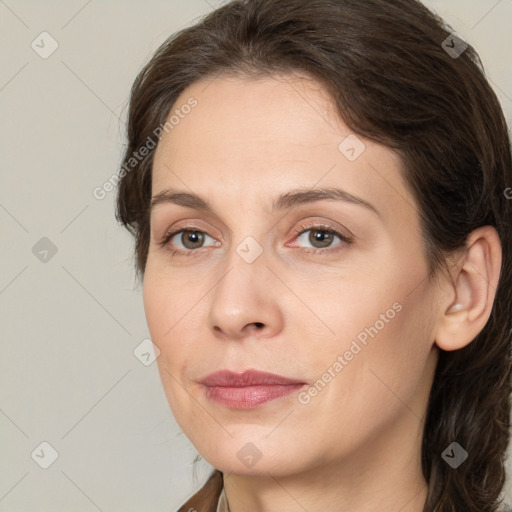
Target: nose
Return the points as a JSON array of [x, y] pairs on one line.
[[245, 302]]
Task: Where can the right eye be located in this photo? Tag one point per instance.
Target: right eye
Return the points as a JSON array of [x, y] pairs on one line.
[[191, 240]]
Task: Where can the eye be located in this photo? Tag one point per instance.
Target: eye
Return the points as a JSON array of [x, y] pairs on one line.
[[191, 240], [321, 237]]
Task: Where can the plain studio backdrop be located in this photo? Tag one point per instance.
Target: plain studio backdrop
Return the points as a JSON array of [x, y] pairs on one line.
[[76, 392]]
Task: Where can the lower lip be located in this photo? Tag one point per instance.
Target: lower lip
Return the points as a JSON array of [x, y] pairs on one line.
[[249, 397]]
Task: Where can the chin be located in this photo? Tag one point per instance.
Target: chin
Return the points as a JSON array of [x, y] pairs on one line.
[[256, 459]]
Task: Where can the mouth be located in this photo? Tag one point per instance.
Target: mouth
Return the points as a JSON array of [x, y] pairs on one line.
[[249, 389]]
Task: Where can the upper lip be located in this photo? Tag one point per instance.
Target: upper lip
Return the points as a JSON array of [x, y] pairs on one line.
[[228, 378]]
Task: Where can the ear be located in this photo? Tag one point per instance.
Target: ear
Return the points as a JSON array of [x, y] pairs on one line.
[[467, 302]]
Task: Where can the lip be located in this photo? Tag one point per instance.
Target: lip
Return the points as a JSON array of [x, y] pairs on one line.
[[228, 378], [249, 389]]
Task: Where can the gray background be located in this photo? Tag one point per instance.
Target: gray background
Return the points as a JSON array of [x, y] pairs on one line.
[[70, 323]]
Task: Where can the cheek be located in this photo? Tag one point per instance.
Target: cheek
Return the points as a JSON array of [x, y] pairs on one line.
[[380, 326], [169, 327], [163, 311], [172, 305], [384, 354], [155, 307], [166, 301]]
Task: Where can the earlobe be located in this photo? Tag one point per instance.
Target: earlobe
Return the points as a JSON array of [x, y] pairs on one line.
[[474, 282]]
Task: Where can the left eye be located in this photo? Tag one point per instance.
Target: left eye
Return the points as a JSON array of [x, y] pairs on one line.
[[320, 237]]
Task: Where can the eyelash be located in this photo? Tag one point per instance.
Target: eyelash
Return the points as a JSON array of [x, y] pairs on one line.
[[300, 231]]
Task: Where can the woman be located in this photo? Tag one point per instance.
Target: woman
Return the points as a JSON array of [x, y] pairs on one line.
[[318, 195]]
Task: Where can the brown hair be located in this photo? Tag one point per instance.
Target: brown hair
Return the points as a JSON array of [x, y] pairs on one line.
[[388, 69]]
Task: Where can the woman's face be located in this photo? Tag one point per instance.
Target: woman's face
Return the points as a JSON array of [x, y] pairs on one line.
[[332, 293]]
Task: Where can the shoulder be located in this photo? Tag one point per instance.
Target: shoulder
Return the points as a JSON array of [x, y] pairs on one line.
[[207, 498], [505, 507]]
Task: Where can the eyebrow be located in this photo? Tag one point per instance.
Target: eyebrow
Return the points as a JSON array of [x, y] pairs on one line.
[[288, 200]]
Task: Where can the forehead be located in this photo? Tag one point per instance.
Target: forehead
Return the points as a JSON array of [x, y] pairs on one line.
[[289, 115], [249, 138]]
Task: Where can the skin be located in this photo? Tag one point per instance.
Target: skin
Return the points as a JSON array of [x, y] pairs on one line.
[[356, 444]]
